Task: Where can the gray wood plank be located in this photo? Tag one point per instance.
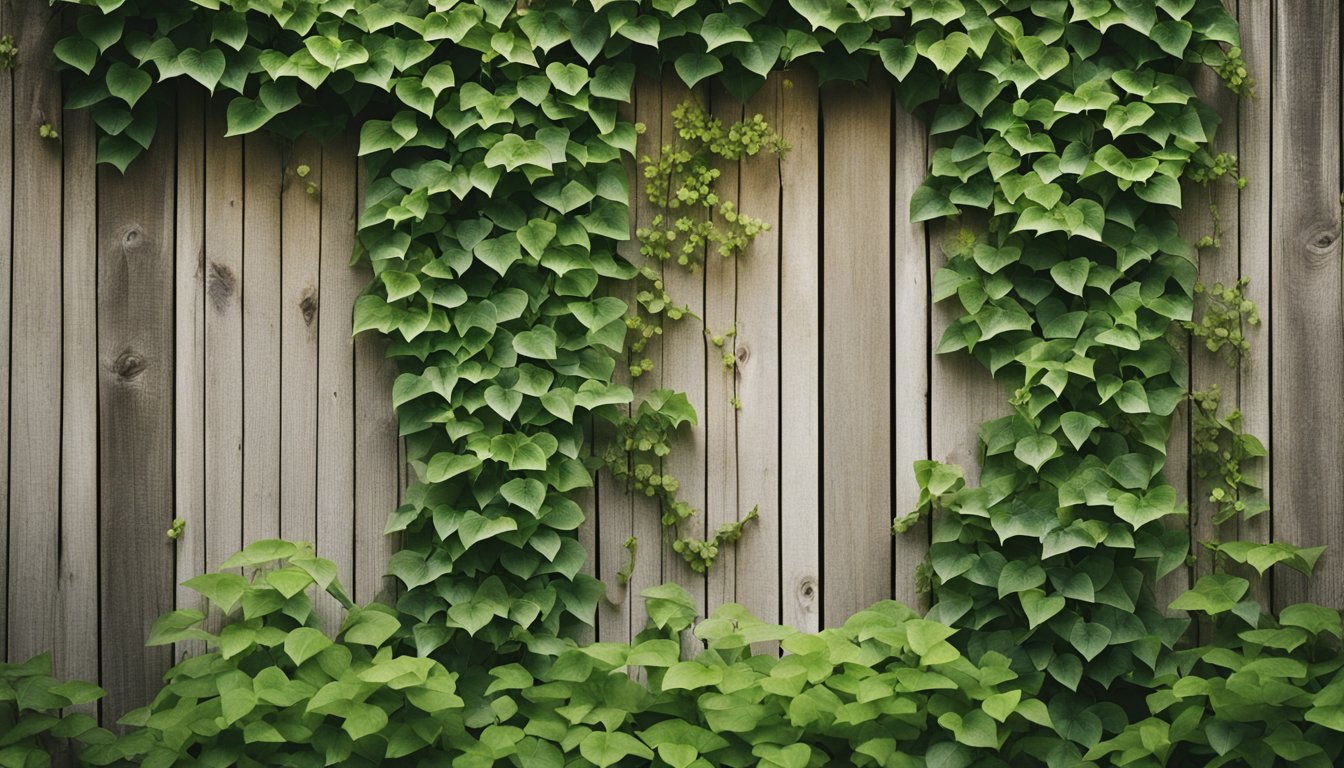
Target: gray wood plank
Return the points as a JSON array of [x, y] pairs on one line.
[[800, 355], [856, 350], [683, 369], [6, 263], [910, 348], [1253, 234], [719, 417], [756, 556], [339, 285], [620, 613], [135, 396], [378, 464], [301, 230], [76, 651], [262, 177], [223, 339], [1307, 360], [35, 354], [189, 350], [1219, 264]]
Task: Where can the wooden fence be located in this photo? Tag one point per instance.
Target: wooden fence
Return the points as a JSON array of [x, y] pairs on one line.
[[178, 345]]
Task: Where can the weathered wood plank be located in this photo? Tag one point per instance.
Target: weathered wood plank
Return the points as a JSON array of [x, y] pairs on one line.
[[223, 339], [135, 431], [616, 520], [378, 463], [262, 177], [339, 285], [800, 355], [756, 556], [189, 351], [856, 350], [35, 354], [1253, 233], [6, 270], [76, 649], [1307, 359], [1211, 210], [301, 243], [719, 416], [683, 369], [909, 348]]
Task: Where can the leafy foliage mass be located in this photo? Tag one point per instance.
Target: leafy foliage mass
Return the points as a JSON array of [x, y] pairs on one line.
[[498, 196]]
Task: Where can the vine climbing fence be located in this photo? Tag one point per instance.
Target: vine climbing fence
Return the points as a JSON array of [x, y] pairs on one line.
[[177, 345]]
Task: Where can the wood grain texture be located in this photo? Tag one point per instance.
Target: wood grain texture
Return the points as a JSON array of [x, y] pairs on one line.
[[1220, 264], [300, 254], [756, 557], [223, 281], [262, 177], [6, 273], [800, 356], [35, 353], [856, 350], [683, 368], [719, 417], [135, 392], [76, 651], [189, 352], [1307, 358], [1252, 226], [338, 286], [378, 464], [909, 348]]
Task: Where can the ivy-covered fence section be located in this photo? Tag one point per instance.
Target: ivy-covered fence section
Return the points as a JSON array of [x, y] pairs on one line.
[[498, 197]]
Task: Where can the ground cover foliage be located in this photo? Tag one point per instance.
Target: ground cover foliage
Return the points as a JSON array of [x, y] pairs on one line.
[[497, 198]]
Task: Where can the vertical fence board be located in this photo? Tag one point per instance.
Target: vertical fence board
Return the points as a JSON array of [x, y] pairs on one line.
[[683, 369], [223, 339], [756, 556], [378, 463], [719, 417], [338, 286], [300, 255], [1307, 358], [620, 515], [135, 350], [189, 343], [35, 354], [261, 338], [1207, 369], [856, 351], [7, 112], [1253, 228], [76, 650], [909, 347], [799, 353]]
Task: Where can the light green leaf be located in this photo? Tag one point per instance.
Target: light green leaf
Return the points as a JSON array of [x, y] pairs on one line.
[[304, 643], [694, 67]]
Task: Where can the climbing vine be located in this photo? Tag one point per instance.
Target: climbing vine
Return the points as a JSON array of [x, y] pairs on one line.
[[494, 142]]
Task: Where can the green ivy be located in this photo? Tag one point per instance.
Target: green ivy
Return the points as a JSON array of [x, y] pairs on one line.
[[494, 138], [31, 717]]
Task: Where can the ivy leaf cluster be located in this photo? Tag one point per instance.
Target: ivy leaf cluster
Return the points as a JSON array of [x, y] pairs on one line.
[[32, 717]]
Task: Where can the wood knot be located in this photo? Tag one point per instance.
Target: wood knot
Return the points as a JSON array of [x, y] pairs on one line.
[[132, 237], [308, 306], [129, 365], [807, 589], [1323, 239], [743, 352], [220, 283]]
